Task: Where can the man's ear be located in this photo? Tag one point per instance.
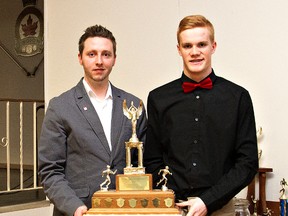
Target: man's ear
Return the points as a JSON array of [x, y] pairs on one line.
[[178, 49], [80, 58], [214, 45]]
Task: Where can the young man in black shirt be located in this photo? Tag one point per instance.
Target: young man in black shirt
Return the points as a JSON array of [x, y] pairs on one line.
[[202, 126]]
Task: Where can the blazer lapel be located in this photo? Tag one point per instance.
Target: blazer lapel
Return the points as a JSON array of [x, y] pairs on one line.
[[117, 119], [87, 109]]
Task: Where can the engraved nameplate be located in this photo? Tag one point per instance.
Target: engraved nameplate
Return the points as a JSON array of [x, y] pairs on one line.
[[133, 182]]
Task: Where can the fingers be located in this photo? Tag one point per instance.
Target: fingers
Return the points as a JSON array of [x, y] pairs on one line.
[[193, 207], [80, 210], [182, 204]]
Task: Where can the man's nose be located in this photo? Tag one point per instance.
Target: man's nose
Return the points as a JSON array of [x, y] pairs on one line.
[[99, 59], [194, 51]]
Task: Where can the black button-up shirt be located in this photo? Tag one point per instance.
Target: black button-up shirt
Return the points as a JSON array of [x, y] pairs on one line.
[[206, 137]]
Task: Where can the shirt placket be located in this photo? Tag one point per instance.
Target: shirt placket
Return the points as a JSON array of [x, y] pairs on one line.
[[196, 142]]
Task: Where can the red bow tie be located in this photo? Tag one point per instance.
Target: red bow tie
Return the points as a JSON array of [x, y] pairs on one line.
[[189, 87]]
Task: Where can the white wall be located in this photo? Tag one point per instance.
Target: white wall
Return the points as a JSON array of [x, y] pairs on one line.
[[252, 51]]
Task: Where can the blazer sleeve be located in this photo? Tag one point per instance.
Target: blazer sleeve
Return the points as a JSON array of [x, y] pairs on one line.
[[52, 161]]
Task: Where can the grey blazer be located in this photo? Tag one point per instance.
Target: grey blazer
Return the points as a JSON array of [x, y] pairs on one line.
[[73, 149]]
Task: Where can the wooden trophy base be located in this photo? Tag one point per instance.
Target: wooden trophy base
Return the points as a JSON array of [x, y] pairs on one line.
[[116, 211], [133, 202], [133, 195]]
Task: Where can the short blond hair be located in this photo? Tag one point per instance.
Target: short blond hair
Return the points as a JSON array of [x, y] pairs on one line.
[[194, 21]]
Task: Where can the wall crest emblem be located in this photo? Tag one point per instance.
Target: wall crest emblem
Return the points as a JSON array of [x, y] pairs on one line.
[[29, 32]]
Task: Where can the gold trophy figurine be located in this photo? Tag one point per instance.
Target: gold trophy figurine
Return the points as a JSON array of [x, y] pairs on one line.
[[133, 113], [107, 181], [165, 172]]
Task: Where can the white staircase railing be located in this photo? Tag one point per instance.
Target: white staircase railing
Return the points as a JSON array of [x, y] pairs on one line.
[[29, 125]]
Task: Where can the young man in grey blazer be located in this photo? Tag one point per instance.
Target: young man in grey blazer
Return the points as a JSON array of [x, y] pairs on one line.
[[85, 130]]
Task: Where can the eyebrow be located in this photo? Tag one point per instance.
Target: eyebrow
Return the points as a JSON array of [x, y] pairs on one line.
[[102, 51], [189, 43]]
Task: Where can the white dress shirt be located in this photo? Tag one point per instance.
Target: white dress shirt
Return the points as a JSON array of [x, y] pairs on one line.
[[103, 109]]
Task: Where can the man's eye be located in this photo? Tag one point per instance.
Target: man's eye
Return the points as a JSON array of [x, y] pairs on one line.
[[107, 54], [187, 46], [91, 54], [202, 44]]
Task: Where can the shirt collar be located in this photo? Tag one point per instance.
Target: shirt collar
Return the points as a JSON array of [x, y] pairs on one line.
[[212, 76], [92, 94]]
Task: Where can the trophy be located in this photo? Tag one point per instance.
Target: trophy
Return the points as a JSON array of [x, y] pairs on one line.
[[134, 193], [283, 199]]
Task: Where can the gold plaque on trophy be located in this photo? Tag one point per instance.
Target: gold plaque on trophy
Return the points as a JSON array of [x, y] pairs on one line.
[[133, 182]]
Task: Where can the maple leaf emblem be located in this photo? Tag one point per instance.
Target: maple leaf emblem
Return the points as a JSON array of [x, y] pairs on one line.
[[29, 28]]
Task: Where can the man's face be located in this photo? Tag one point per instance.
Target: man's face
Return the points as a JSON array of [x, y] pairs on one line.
[[196, 49], [97, 59]]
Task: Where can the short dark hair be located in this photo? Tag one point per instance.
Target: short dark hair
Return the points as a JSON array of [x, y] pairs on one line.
[[96, 31]]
